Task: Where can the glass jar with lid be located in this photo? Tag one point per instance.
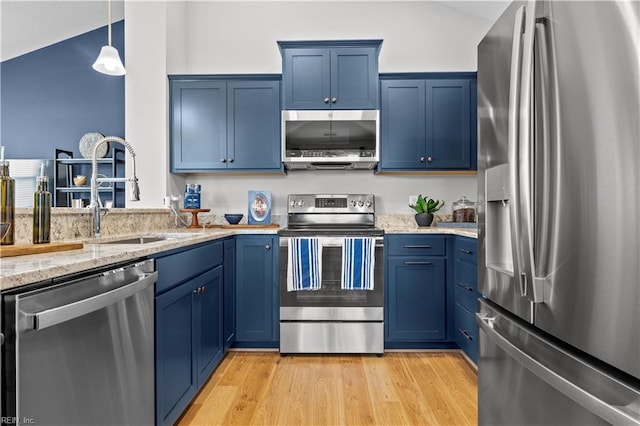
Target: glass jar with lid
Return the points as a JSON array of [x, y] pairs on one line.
[[464, 210]]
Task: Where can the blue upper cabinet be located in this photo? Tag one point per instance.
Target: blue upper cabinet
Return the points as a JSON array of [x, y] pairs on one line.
[[428, 123], [198, 125], [253, 113], [225, 123], [330, 74]]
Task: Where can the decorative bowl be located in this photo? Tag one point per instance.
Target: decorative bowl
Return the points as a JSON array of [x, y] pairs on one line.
[[233, 219], [79, 180]]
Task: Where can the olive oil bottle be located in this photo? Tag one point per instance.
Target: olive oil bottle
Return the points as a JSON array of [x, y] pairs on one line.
[[7, 201], [42, 210]]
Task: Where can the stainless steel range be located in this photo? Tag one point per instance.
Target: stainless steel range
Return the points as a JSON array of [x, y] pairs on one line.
[[340, 244]]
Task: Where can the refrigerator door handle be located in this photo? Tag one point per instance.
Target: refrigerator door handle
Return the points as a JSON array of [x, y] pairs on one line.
[[515, 81], [531, 287], [611, 413]]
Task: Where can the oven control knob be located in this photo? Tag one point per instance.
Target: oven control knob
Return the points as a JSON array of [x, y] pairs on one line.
[[368, 203], [352, 203], [292, 203], [300, 203], [360, 203]]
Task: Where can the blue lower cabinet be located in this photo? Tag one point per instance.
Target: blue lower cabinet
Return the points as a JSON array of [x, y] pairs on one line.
[[189, 341], [209, 323], [229, 293], [416, 301], [466, 332], [257, 319], [176, 382], [466, 295]]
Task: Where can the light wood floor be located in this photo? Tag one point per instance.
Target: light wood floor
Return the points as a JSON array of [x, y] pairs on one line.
[[400, 388]]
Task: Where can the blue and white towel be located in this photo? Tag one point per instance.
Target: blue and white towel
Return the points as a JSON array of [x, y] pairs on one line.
[[358, 261], [304, 266]]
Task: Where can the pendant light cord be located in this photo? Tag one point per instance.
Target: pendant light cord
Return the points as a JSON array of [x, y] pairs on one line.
[[109, 2]]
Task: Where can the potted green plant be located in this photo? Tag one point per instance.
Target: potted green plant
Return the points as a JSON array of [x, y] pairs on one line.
[[424, 210]]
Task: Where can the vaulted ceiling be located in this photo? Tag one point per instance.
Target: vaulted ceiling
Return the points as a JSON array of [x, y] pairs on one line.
[[30, 25]]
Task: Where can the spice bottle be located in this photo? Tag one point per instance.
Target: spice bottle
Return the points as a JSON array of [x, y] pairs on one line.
[[7, 203], [42, 209]]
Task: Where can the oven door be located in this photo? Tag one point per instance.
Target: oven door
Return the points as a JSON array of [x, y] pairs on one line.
[[331, 302]]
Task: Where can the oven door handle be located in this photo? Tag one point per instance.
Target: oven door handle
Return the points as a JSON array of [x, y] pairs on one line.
[[332, 241]]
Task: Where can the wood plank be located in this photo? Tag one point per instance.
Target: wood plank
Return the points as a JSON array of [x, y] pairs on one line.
[[409, 388], [25, 249]]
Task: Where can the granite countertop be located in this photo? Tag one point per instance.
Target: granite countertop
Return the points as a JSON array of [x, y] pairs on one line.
[[22, 270]]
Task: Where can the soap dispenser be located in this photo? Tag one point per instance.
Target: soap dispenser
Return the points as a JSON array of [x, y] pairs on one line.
[[42, 209], [7, 203]]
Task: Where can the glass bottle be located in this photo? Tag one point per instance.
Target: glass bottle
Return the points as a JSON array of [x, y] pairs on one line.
[[8, 202], [42, 211]]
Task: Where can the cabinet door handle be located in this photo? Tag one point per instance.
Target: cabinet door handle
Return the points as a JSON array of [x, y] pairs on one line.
[[196, 291], [429, 159], [267, 247], [422, 159], [202, 289], [466, 287], [465, 334], [417, 246], [326, 100], [334, 100], [230, 160], [223, 160], [465, 251], [418, 263]]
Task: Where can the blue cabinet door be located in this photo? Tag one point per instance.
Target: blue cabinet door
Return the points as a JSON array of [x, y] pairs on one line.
[[229, 293], [176, 381], [256, 289], [448, 124], [306, 78], [402, 124], [416, 309], [198, 125], [428, 124], [253, 113], [354, 78], [208, 314]]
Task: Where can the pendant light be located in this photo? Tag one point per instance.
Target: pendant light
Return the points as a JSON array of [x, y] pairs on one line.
[[108, 61]]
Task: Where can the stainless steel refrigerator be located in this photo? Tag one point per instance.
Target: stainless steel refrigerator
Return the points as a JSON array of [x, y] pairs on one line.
[[559, 213]]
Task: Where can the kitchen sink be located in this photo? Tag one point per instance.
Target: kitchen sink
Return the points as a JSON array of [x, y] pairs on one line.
[[145, 239], [137, 240]]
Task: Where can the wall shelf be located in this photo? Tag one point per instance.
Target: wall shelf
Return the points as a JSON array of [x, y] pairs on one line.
[[67, 166]]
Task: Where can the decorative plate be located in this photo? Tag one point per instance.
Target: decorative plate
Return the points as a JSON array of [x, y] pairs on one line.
[[88, 142], [259, 207]]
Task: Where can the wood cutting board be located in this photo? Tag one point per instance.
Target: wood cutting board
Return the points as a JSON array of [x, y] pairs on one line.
[[23, 249]]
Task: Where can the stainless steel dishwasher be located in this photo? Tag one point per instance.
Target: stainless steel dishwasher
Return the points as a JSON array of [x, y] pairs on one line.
[[80, 351]]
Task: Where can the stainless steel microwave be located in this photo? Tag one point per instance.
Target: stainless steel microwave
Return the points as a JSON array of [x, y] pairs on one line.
[[330, 140]]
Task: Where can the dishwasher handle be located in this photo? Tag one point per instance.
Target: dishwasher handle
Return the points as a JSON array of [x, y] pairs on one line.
[[60, 314]]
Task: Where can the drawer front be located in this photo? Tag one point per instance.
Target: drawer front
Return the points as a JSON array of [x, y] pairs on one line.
[[467, 297], [415, 245], [179, 267], [466, 332], [466, 249]]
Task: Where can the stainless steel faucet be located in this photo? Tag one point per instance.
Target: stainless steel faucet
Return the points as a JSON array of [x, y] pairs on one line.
[[95, 204]]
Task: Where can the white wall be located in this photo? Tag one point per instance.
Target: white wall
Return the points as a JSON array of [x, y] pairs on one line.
[[240, 37]]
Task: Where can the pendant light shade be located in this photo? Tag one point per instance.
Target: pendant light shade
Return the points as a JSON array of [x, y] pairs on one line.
[[108, 61]]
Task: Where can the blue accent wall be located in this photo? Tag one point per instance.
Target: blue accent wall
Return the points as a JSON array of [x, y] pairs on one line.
[[52, 96]]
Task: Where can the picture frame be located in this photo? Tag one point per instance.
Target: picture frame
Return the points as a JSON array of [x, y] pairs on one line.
[[259, 207]]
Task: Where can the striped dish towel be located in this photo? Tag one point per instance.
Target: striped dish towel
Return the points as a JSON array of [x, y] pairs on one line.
[[358, 260], [304, 266]]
